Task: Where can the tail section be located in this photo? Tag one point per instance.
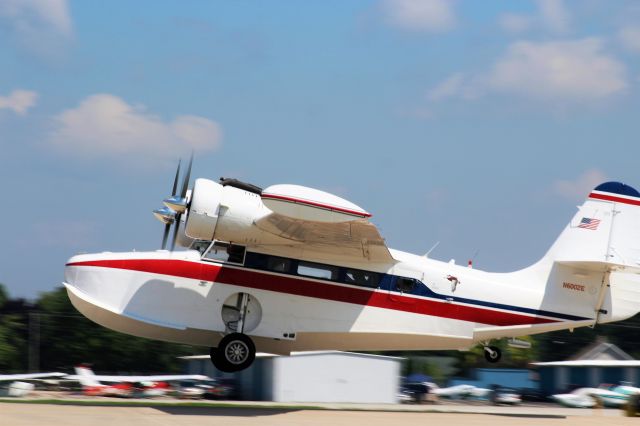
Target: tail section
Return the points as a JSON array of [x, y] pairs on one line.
[[606, 229], [595, 263], [86, 377]]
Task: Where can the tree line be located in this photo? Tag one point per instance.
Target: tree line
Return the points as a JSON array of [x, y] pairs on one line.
[[49, 334]]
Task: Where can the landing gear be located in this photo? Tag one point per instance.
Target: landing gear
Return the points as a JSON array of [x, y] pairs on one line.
[[235, 352], [492, 354]]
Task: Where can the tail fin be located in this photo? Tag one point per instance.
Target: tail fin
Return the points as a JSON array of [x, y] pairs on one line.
[[86, 376], [595, 263], [606, 229]]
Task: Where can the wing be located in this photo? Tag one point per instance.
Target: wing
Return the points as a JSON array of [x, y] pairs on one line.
[[158, 378], [358, 238], [29, 376]]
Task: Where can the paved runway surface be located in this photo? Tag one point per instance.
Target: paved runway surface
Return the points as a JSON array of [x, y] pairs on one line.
[[50, 415]]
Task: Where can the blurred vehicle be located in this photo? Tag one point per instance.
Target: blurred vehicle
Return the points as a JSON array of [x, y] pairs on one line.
[[189, 389], [532, 395], [223, 388], [505, 396], [414, 392]]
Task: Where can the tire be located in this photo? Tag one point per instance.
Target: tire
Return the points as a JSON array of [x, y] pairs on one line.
[[217, 361], [235, 352], [493, 355]]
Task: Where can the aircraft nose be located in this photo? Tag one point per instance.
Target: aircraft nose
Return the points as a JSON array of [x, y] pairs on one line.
[[71, 270]]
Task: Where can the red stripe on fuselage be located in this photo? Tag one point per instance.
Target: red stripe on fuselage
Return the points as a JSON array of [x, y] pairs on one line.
[[606, 197], [319, 290]]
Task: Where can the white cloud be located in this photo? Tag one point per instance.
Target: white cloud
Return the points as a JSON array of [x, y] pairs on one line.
[[554, 15], [104, 125], [630, 38], [574, 70], [566, 71], [452, 86], [19, 101], [39, 25], [514, 23], [580, 187], [420, 15]]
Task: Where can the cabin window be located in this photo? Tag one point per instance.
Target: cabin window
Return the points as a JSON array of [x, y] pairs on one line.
[[201, 246], [317, 270], [405, 285], [278, 264], [363, 278], [224, 252]]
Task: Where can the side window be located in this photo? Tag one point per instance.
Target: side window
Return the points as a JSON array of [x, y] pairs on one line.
[[405, 285], [224, 252], [363, 278], [317, 270], [278, 264], [200, 245]]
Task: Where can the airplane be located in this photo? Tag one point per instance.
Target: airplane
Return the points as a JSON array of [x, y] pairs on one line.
[[19, 383], [589, 397], [459, 391], [123, 385], [291, 268]]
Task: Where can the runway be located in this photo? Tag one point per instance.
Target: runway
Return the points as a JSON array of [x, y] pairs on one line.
[[20, 414]]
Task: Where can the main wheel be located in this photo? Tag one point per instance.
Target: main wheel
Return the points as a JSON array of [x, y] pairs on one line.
[[216, 360], [492, 354], [235, 352]]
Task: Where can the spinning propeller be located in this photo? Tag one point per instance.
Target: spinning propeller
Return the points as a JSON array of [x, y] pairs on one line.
[[174, 206]]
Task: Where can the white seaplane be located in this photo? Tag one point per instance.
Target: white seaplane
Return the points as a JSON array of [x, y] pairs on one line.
[[289, 268]]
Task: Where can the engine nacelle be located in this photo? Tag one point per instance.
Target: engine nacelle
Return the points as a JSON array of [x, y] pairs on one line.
[[204, 209]]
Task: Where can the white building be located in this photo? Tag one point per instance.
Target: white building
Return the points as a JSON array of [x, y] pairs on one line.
[[326, 376]]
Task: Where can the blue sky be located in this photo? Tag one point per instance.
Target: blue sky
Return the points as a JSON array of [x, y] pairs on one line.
[[477, 124]]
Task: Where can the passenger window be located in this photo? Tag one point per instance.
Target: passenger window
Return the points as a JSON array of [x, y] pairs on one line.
[[363, 278], [405, 285], [224, 252], [317, 270], [278, 264]]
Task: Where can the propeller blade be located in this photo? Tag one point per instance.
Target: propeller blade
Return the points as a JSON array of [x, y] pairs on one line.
[[185, 182], [165, 236], [175, 231], [175, 181]]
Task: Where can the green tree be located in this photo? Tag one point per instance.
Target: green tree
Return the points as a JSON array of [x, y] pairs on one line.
[[12, 341], [68, 338]]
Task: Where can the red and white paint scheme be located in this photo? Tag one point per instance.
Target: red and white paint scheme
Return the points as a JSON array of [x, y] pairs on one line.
[[123, 386], [290, 268]]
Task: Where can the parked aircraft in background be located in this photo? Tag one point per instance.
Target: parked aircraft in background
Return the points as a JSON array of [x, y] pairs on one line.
[[458, 391], [607, 395], [123, 386], [19, 384], [289, 268]]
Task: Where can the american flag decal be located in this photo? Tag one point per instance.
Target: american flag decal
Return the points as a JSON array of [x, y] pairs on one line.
[[588, 223]]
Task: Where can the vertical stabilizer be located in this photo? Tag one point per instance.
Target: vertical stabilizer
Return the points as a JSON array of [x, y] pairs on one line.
[[605, 230], [86, 376], [595, 263]]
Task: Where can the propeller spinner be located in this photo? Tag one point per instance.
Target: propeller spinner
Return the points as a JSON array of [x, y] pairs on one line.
[[175, 206]]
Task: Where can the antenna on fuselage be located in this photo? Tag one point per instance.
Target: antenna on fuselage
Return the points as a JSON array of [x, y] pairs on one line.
[[470, 263], [431, 249]]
